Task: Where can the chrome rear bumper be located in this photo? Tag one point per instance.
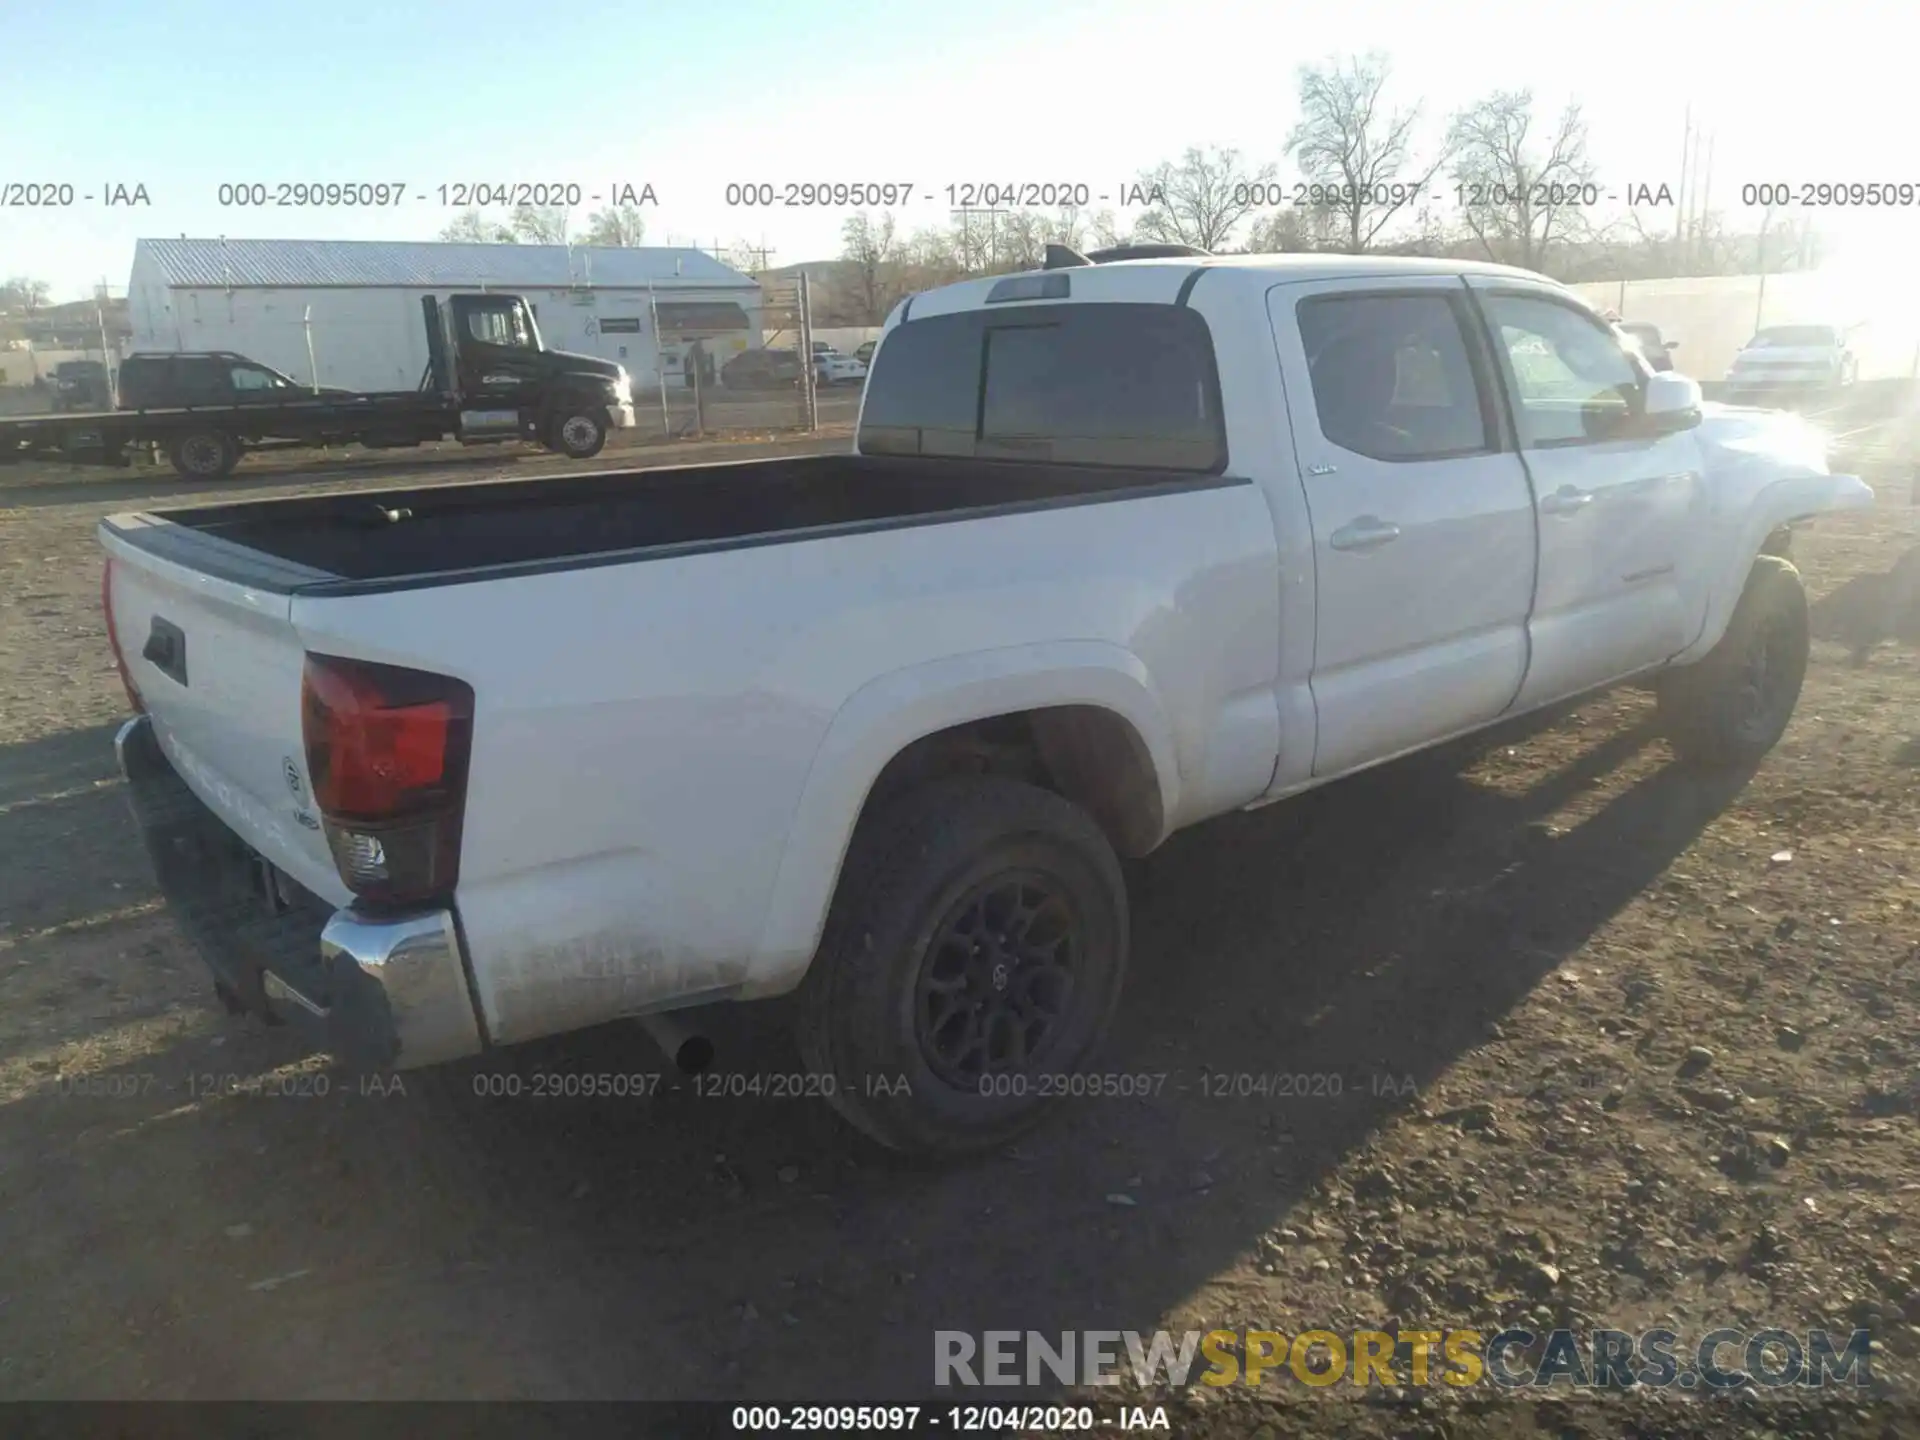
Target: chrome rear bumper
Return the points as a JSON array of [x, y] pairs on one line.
[[385, 992]]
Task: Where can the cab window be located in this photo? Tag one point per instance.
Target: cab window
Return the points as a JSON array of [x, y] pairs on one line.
[[500, 325], [1573, 381], [1392, 376]]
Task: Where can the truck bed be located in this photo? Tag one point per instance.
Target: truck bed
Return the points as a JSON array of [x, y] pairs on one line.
[[394, 539]]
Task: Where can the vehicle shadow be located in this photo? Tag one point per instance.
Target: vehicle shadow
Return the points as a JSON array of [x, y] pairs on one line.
[[480, 1232], [1865, 610]]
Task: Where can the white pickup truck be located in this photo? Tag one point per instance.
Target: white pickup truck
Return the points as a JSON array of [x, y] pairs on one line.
[[1122, 546]]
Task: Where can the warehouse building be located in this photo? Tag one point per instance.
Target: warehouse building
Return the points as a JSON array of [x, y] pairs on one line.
[[347, 313]]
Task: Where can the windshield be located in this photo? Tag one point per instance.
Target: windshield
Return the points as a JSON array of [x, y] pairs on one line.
[[1795, 335]]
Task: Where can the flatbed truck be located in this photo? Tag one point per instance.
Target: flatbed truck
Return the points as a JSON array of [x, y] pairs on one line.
[[489, 379]]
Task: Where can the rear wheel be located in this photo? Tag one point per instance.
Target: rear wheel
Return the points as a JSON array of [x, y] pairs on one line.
[[971, 964], [580, 434], [1732, 707], [204, 454]]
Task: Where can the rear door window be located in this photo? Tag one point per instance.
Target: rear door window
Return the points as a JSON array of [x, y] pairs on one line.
[[1392, 376], [146, 383], [201, 380], [1119, 385]]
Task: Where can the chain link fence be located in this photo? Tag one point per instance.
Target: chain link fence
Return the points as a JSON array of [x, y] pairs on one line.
[[1713, 316], [719, 382], [1874, 422]]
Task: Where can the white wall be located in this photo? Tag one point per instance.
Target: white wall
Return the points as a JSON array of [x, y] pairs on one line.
[[375, 339]]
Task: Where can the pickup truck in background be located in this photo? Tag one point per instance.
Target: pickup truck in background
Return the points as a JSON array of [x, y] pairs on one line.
[[1122, 546], [81, 385], [488, 378]]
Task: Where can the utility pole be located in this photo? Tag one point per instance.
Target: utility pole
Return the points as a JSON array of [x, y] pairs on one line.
[[1760, 303], [1680, 211], [1706, 192], [106, 350]]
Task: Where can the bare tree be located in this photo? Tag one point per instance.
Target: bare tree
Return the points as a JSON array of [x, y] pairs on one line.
[[932, 257], [539, 224], [1200, 199], [1518, 201], [471, 227], [616, 226], [1025, 235], [1106, 231], [1290, 230], [1359, 153], [873, 251], [22, 292], [975, 240]]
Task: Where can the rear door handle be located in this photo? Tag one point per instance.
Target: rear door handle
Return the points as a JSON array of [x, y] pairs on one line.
[[1366, 533], [1567, 500]]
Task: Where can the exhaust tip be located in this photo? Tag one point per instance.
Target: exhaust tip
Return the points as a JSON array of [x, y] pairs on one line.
[[689, 1051]]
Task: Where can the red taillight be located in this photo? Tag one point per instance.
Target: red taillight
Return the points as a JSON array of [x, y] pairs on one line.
[[387, 757], [113, 639]]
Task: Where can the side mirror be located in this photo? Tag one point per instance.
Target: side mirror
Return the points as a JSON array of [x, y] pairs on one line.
[[1672, 402], [1673, 344]]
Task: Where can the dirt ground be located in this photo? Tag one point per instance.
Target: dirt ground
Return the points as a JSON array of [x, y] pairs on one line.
[[1496, 962]]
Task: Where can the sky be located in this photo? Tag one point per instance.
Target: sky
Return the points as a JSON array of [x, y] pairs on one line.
[[181, 96]]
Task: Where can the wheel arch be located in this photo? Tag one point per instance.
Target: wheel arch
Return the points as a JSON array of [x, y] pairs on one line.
[[1084, 713], [1775, 508]]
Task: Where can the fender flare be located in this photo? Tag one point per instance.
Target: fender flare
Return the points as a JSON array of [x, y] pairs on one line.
[[889, 713], [1780, 503]]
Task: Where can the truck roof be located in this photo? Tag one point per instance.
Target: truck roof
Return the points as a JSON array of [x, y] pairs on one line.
[[1160, 280]]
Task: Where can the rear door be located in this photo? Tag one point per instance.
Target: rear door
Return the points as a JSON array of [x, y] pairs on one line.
[[219, 667], [1423, 526], [1616, 506], [200, 380]]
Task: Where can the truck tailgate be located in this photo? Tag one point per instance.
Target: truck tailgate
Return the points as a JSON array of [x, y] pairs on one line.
[[218, 665]]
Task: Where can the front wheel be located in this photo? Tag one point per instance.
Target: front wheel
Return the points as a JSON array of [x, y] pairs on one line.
[[971, 963], [204, 454], [580, 434], [1732, 707]]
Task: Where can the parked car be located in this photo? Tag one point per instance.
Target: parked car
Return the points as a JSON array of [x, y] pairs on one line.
[[1794, 357], [1120, 548], [832, 368], [1646, 338], [81, 385], [161, 380], [865, 353], [766, 369]]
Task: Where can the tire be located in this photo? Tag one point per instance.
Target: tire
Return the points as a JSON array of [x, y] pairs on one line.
[[579, 434], [914, 1071], [1731, 708], [204, 454]]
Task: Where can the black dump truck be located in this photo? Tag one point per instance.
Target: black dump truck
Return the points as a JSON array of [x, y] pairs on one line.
[[489, 378]]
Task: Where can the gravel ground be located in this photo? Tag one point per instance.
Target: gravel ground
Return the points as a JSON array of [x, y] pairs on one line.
[[1598, 1043]]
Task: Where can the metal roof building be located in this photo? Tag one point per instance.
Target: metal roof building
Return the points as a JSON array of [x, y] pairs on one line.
[[347, 312]]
